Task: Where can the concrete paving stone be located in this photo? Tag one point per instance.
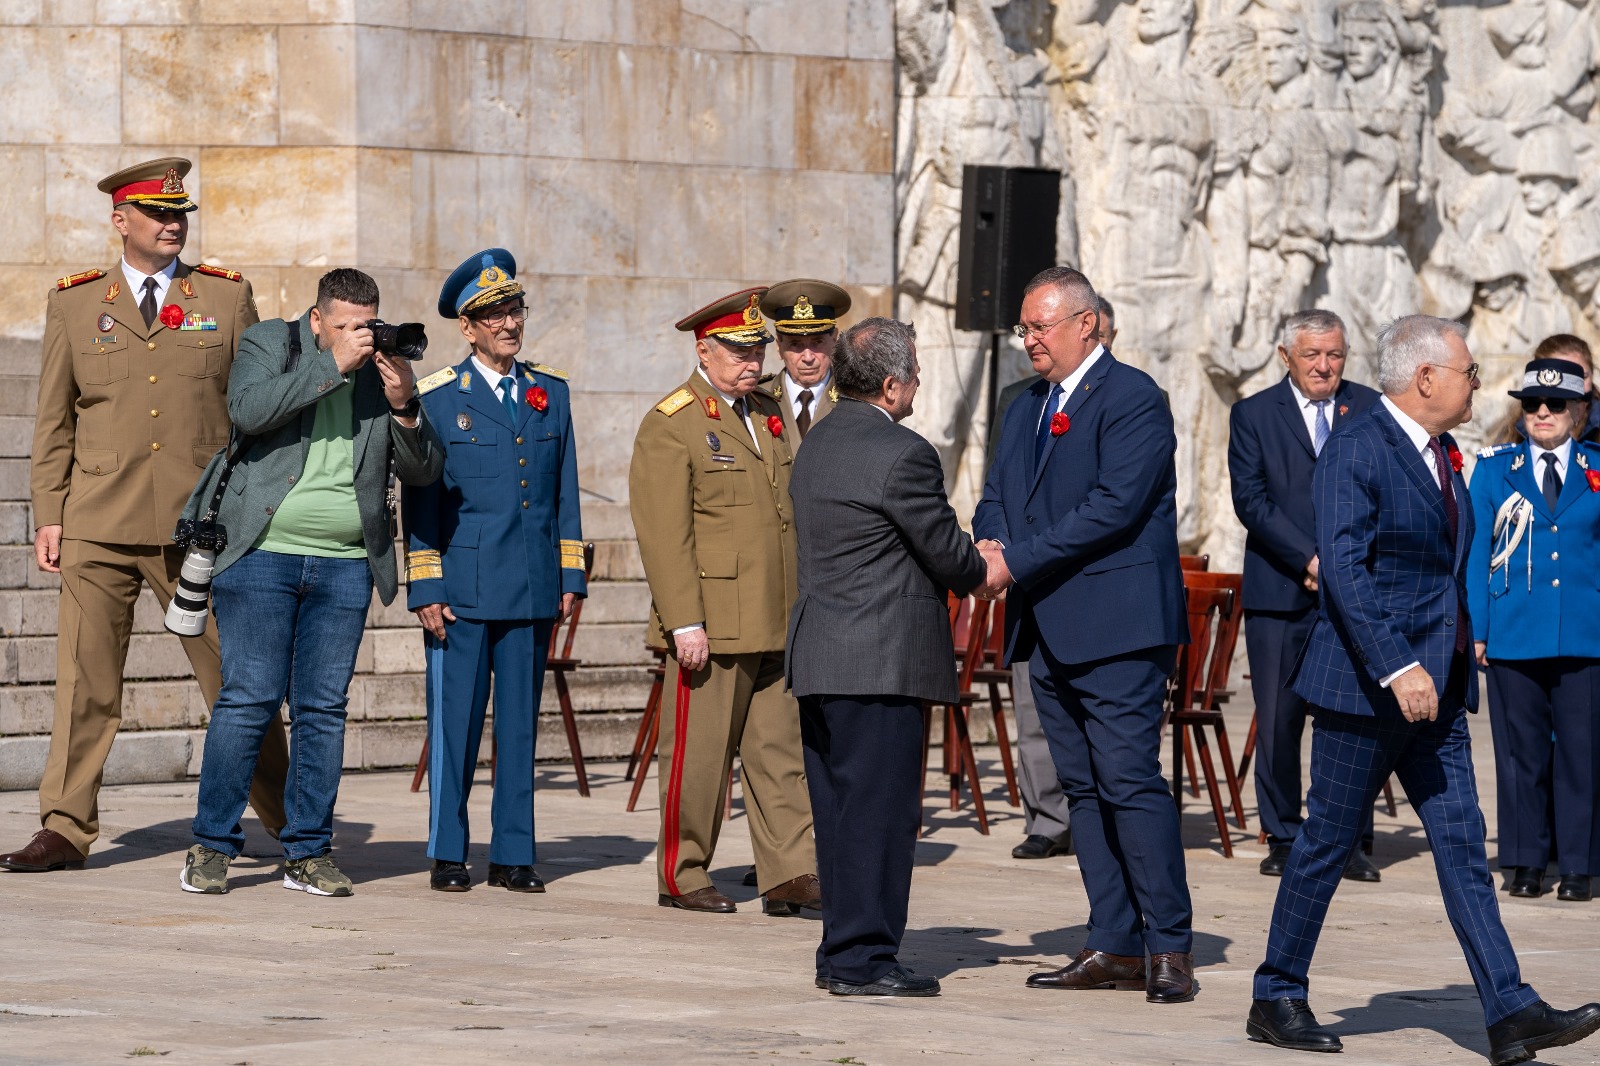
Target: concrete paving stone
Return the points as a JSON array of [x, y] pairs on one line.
[[105, 962]]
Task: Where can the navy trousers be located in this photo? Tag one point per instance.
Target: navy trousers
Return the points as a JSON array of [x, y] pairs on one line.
[[1547, 761], [1273, 641], [863, 759], [1103, 722], [1351, 757], [458, 673]]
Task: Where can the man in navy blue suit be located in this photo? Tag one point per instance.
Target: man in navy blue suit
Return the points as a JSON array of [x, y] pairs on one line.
[[1274, 438], [1078, 512], [1388, 672]]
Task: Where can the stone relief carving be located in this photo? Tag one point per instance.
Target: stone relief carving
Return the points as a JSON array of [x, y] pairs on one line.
[[1232, 161]]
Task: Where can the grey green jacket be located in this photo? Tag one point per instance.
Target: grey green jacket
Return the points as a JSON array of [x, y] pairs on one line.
[[278, 407]]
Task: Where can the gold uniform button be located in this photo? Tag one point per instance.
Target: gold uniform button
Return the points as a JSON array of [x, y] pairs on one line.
[[155, 446], [1556, 583], [154, 413], [1553, 529], [522, 462], [152, 346], [702, 573], [1554, 556], [519, 440], [153, 379], [524, 505], [786, 527], [524, 482]]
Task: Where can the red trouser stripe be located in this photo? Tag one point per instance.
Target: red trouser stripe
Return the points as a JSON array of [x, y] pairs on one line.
[[680, 722]]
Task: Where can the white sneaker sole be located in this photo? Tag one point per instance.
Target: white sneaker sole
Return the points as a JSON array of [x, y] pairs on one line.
[[187, 887], [300, 886]]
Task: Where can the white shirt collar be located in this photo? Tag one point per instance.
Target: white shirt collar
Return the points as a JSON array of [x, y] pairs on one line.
[[1071, 381], [1563, 454], [492, 377], [1419, 437], [793, 388], [136, 279], [1304, 402]]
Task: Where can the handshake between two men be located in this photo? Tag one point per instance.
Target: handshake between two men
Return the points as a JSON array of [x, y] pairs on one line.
[[999, 576]]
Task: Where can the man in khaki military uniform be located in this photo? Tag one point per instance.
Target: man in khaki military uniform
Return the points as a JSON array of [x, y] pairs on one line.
[[805, 313], [709, 489], [132, 405]]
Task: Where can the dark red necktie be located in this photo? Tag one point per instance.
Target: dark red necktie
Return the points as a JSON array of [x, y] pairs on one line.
[[1452, 514]]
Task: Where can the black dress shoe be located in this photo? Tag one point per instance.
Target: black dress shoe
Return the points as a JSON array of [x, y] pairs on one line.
[[516, 878], [1574, 888], [1288, 1023], [897, 982], [750, 878], [1276, 860], [1527, 882], [822, 982], [1359, 868], [1535, 1028], [1039, 846], [449, 877]]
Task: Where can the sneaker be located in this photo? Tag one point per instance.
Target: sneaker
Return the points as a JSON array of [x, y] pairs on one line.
[[318, 875], [205, 870]]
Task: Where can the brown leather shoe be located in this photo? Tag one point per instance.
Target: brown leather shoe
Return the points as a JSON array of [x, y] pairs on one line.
[[707, 899], [48, 850], [1094, 969], [1171, 978], [786, 900]]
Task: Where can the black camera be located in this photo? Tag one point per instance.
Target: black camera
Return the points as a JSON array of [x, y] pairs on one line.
[[186, 614], [404, 340]]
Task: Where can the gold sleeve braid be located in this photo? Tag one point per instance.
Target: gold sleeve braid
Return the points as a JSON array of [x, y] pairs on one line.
[[424, 565]]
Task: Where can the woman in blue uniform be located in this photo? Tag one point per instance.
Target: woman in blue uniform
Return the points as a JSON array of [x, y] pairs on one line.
[[1534, 597]]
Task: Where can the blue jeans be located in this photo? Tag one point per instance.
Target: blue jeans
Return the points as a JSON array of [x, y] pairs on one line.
[[289, 626]]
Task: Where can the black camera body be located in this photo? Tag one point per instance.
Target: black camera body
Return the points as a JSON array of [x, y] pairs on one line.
[[403, 340]]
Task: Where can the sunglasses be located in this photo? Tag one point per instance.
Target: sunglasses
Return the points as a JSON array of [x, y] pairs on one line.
[[1531, 407]]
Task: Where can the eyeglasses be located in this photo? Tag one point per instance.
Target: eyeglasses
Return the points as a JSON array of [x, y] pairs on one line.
[[1556, 406], [497, 319], [1024, 332], [1471, 371]]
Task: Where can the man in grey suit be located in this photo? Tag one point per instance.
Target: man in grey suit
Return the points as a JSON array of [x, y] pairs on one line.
[[869, 641]]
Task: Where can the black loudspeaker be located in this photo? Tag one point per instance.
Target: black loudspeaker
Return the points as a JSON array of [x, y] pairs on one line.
[[1008, 234]]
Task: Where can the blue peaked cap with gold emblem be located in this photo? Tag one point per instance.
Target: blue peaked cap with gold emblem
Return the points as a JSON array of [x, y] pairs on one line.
[[485, 278]]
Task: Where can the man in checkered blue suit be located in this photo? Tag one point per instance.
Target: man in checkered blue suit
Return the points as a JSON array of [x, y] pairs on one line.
[[1389, 675]]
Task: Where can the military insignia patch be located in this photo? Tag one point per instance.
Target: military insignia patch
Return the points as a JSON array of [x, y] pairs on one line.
[[78, 279], [106, 323], [191, 323], [803, 308], [463, 421], [724, 459], [111, 293], [712, 410], [714, 441], [676, 402], [1549, 377], [833, 393], [186, 288], [491, 277], [219, 272], [434, 380], [1516, 464]]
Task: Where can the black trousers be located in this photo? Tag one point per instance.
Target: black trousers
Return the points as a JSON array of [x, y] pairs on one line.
[[864, 769], [1547, 761], [1273, 641]]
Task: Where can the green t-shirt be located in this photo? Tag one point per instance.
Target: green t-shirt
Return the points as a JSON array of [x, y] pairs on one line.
[[320, 516]]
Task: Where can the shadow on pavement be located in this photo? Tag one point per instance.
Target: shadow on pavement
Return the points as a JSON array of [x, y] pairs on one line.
[[942, 950], [1453, 1012]]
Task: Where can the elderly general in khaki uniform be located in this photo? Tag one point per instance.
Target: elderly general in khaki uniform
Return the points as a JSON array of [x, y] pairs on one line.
[[805, 314], [709, 491], [132, 405]]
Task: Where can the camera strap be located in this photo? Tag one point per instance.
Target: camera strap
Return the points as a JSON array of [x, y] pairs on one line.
[[239, 444]]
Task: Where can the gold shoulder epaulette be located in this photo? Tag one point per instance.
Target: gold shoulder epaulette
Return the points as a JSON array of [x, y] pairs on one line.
[[218, 272], [676, 402], [554, 372], [435, 379], [78, 279]]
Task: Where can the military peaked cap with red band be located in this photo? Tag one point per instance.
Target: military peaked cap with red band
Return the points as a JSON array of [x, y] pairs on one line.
[[157, 184], [734, 319]]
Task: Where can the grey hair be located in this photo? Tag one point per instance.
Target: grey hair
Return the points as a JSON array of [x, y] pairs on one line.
[[1315, 320], [870, 351], [1405, 344], [1070, 282]]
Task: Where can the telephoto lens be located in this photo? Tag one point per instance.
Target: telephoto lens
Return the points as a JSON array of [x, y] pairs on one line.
[[404, 340], [191, 600]]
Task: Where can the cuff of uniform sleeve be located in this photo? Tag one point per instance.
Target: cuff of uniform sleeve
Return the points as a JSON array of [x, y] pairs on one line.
[[688, 629], [48, 512], [1390, 679]]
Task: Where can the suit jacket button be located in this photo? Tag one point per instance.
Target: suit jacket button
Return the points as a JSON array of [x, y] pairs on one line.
[[1449, 621], [269, 510], [291, 479], [1030, 520]]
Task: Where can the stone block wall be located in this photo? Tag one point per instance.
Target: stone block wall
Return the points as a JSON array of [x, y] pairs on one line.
[[640, 158]]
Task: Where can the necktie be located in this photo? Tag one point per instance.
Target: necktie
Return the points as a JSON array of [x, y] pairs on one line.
[[1051, 405], [1452, 515], [1320, 431], [508, 397], [802, 421], [147, 304], [1552, 481]]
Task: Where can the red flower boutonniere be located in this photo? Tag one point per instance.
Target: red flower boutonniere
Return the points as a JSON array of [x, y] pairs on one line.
[[538, 399], [1344, 409], [775, 425], [1594, 479], [172, 316], [1456, 462], [1059, 423]]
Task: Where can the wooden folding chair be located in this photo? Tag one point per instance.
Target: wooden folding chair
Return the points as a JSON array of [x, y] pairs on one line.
[[991, 674], [1203, 578], [1203, 669], [968, 626], [1194, 562], [558, 663]]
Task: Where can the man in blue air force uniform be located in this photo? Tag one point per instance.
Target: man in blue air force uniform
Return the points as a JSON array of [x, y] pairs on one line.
[[494, 557]]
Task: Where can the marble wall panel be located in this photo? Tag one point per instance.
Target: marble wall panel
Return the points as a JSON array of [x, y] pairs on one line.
[[60, 85], [179, 81], [803, 27], [741, 109], [444, 206], [260, 12], [583, 216], [716, 24], [870, 30], [557, 75], [637, 104], [22, 202], [795, 225], [657, 22], [383, 207], [22, 13], [415, 89], [846, 121], [505, 17], [292, 206], [317, 85], [629, 335], [145, 12], [691, 222]]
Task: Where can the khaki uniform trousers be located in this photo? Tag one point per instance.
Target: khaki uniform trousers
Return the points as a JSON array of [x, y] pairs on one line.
[[99, 587], [736, 703]]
